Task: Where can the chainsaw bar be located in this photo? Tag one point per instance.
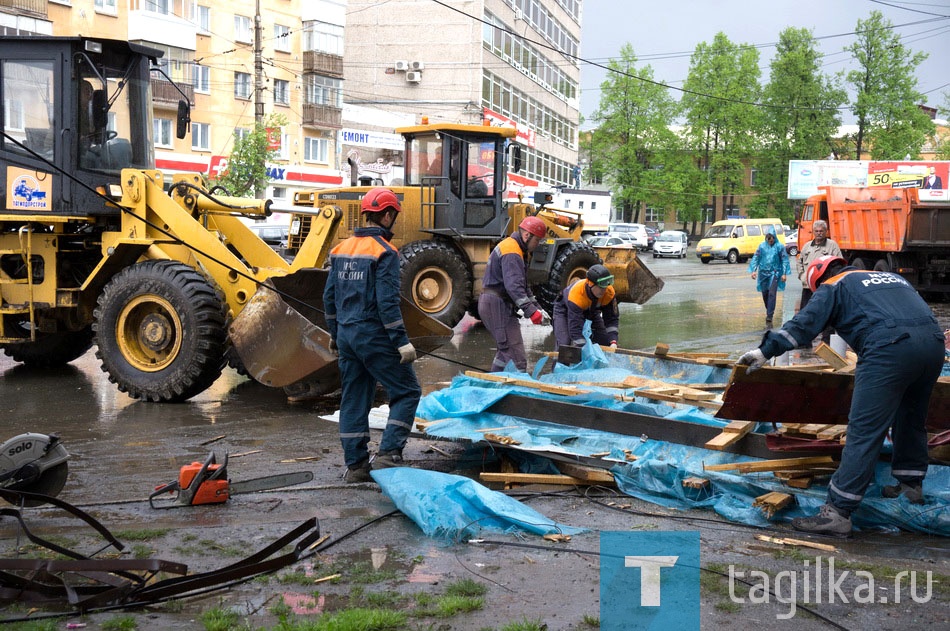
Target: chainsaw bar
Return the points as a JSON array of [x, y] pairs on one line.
[[270, 482]]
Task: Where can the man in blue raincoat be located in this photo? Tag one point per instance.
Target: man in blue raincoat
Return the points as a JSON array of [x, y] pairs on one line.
[[769, 267]]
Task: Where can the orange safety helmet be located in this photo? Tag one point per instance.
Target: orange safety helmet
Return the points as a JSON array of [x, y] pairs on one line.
[[378, 200], [534, 226], [817, 268]]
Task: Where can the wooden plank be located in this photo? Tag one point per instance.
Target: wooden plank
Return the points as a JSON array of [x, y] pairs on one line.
[[589, 474], [832, 432], [694, 482], [534, 478], [731, 434], [772, 502], [829, 355], [566, 390], [771, 465], [787, 541], [647, 393], [700, 355], [661, 349], [800, 483]]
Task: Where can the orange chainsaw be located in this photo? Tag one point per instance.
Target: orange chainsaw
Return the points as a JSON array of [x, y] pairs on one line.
[[207, 483]]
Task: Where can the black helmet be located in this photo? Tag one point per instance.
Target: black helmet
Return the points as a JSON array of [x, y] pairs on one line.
[[599, 275]]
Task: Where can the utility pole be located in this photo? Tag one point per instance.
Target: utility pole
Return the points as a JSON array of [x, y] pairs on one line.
[[260, 186]]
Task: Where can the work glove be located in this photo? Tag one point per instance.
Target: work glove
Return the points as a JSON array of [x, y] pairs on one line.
[[407, 353], [613, 344], [540, 317], [753, 359], [333, 349]]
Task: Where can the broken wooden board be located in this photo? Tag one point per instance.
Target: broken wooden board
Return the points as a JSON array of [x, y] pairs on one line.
[[836, 361], [772, 502], [674, 395], [731, 434], [534, 478], [758, 466], [785, 395], [566, 390], [666, 387], [588, 474], [787, 541], [693, 482]]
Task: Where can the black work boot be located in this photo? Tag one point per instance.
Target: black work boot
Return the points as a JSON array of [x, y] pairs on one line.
[[914, 492], [768, 323], [828, 521], [358, 473], [387, 459]]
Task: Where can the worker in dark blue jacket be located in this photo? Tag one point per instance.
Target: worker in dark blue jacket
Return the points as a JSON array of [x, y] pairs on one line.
[[364, 320], [594, 299], [900, 354], [505, 291]]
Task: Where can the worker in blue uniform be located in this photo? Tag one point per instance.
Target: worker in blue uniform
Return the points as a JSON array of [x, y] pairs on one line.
[[364, 319], [769, 267], [900, 354], [505, 291], [592, 298]]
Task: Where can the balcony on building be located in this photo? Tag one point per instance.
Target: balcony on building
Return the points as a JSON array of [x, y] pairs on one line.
[[25, 8], [164, 93], [322, 116], [317, 62]]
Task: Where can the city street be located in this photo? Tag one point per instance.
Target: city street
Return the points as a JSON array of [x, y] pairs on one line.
[[122, 449]]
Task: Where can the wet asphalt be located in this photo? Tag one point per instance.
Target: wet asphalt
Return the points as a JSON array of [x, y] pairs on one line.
[[121, 449]]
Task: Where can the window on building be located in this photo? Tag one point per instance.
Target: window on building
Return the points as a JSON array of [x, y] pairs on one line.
[[580, 204], [242, 85], [202, 79], [282, 38], [324, 91], [753, 176], [106, 6], [315, 149], [281, 92], [652, 214], [162, 131], [279, 192], [323, 37], [593, 205], [203, 18], [158, 6], [242, 29], [201, 136], [13, 115], [283, 152]]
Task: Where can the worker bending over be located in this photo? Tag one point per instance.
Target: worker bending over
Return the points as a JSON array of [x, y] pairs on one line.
[[900, 354], [594, 299], [364, 320], [505, 291]]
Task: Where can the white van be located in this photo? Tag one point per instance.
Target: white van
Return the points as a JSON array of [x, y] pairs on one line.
[[671, 243], [636, 233]]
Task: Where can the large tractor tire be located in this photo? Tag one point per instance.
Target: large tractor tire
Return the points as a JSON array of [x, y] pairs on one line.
[[436, 279], [49, 350], [160, 329], [571, 264]]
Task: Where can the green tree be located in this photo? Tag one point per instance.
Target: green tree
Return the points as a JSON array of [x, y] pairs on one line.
[[723, 120], [890, 123], [801, 117], [247, 164], [633, 119]]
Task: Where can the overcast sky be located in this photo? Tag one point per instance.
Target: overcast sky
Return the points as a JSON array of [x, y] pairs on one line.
[[665, 34]]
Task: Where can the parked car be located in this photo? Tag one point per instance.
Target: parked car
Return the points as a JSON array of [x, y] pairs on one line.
[[611, 241], [274, 235], [652, 234], [791, 243], [636, 231], [671, 243]]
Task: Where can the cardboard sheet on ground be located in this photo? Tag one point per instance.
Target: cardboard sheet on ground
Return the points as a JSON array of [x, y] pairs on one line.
[[656, 476], [454, 507]]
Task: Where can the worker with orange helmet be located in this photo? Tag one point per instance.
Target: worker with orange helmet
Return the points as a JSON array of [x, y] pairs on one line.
[[364, 319], [592, 298], [900, 352], [505, 291]]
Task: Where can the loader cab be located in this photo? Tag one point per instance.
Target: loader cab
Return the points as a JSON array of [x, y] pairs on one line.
[[77, 111], [462, 172]]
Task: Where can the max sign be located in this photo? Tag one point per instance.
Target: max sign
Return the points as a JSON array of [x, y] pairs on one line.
[[218, 167]]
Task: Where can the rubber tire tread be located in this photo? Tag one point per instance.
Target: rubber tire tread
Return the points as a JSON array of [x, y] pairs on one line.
[[418, 255], [51, 350], [204, 337], [573, 255]]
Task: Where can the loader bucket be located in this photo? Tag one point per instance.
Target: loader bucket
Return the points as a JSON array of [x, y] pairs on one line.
[[281, 334], [633, 281]]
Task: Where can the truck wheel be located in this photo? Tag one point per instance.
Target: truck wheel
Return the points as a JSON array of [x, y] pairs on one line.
[[49, 350], [571, 264], [860, 263], [436, 279], [881, 265], [160, 328], [732, 257]]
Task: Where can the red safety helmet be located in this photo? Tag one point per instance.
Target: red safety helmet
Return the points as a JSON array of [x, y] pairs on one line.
[[378, 200], [534, 226], [817, 268]]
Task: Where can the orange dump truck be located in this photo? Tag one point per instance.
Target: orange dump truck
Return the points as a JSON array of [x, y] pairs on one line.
[[887, 230]]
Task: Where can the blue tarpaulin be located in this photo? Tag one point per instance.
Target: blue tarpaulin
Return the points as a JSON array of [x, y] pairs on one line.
[[657, 473]]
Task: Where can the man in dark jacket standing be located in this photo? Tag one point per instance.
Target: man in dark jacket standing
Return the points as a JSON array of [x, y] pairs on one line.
[[900, 354], [364, 319], [505, 291]]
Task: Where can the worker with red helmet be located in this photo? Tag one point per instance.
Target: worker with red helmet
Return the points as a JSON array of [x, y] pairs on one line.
[[592, 298], [364, 319], [900, 354], [505, 291]]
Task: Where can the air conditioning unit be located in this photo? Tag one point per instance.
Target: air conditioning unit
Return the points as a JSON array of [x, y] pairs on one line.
[[416, 65], [402, 66], [413, 77], [519, 14]]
